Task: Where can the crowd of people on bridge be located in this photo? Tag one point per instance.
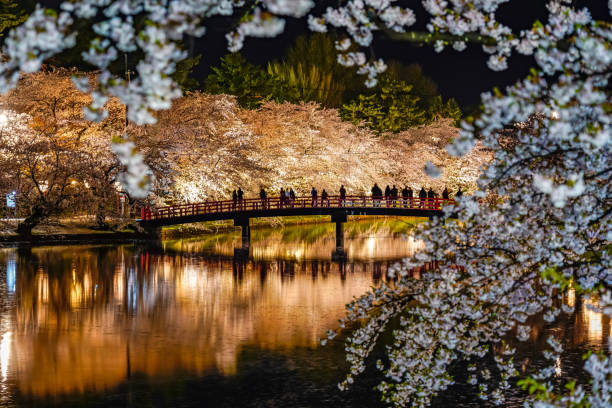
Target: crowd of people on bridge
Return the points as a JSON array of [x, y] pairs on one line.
[[391, 197], [425, 199]]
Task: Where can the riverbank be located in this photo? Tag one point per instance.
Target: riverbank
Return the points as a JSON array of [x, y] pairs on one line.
[[73, 239]]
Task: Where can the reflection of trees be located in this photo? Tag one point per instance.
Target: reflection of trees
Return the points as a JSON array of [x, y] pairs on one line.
[[88, 319], [366, 241]]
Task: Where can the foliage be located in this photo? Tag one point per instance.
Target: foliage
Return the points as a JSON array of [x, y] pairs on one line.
[[414, 97], [311, 69], [437, 109], [422, 86], [306, 83], [392, 108], [181, 74], [249, 84], [11, 14]]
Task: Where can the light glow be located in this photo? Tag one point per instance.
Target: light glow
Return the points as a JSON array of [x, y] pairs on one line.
[[5, 353]]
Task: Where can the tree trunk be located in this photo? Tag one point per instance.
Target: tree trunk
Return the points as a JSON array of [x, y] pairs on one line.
[[26, 226], [101, 216]]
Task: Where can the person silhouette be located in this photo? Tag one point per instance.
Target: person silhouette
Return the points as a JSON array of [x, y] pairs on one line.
[[387, 194], [262, 197], [431, 195], [292, 196], [342, 195], [394, 195], [422, 197], [405, 197], [410, 197], [324, 199], [234, 199], [240, 195], [376, 195], [313, 193]]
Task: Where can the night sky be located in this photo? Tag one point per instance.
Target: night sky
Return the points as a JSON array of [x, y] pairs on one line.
[[462, 75]]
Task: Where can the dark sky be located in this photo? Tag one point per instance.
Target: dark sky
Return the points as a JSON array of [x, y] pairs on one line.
[[462, 75]]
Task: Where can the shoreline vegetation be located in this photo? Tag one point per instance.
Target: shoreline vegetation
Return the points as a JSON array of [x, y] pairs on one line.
[[74, 231]]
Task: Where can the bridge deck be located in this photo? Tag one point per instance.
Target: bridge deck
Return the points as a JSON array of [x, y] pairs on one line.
[[274, 207]]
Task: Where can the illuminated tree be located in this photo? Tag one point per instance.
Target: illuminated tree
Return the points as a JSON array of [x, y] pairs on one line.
[[62, 161]]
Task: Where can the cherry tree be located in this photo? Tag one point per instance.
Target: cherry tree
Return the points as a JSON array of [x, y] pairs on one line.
[[547, 232], [53, 157]]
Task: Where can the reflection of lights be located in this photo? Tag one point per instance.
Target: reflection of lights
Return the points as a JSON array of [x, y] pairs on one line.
[[118, 285], [5, 352], [11, 275], [592, 321], [571, 297], [298, 253], [558, 367], [371, 245], [42, 283], [132, 289]]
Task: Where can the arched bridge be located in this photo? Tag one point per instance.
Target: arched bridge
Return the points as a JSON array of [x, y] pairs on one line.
[[241, 211]]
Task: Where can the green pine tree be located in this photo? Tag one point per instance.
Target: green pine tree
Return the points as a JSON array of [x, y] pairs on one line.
[[11, 15], [311, 70], [452, 110], [422, 86], [182, 71], [250, 84], [307, 83], [391, 108], [437, 109]]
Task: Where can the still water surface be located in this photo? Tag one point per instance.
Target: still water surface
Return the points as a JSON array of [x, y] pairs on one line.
[[184, 323]]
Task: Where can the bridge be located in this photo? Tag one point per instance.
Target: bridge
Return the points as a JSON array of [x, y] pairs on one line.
[[241, 211]]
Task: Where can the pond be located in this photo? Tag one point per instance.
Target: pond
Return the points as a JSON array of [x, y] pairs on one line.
[[185, 323]]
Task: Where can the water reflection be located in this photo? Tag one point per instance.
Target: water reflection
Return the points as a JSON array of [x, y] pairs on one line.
[[378, 240], [89, 318], [80, 319]]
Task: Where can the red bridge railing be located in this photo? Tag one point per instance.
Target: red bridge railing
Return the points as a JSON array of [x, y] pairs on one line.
[[257, 204]]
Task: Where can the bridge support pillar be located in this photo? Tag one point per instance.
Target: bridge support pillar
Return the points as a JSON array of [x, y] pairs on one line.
[[340, 253], [244, 225]]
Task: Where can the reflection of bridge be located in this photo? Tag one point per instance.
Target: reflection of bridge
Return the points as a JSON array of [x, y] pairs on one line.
[[241, 211]]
